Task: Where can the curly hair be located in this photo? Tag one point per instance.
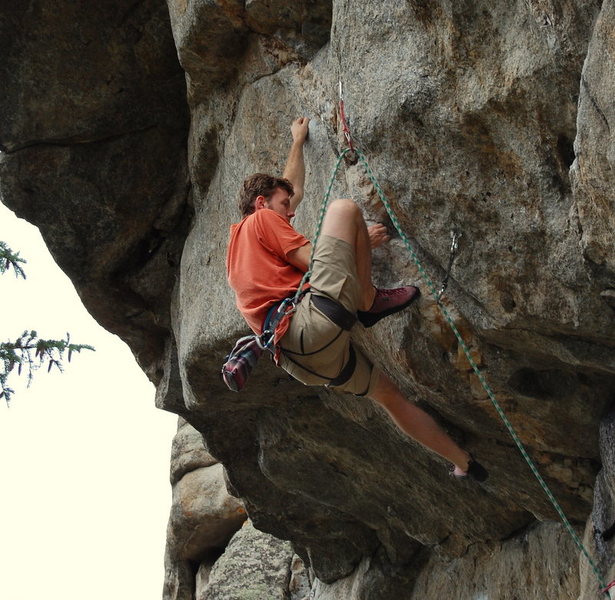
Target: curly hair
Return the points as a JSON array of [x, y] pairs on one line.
[[260, 184]]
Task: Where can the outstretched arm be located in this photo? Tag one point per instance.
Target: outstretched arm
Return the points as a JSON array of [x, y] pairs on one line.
[[295, 167]]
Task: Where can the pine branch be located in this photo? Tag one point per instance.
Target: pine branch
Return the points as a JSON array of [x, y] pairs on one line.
[[31, 352], [8, 259]]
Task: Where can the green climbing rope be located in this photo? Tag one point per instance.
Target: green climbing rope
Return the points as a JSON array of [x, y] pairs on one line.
[[432, 288], [321, 217]]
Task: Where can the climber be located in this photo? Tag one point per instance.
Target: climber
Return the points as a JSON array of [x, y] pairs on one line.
[[266, 260]]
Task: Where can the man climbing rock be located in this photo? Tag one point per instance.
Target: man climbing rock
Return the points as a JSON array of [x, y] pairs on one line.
[[266, 260]]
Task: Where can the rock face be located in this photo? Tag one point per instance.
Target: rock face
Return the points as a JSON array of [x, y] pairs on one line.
[[204, 516], [517, 568], [254, 565], [89, 92], [489, 118]]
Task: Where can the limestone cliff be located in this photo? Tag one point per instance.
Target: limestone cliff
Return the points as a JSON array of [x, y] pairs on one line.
[[126, 128]]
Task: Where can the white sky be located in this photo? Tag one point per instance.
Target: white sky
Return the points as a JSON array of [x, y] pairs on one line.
[[84, 455]]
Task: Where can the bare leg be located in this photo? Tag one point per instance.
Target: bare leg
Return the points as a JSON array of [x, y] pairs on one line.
[[416, 423], [344, 221]]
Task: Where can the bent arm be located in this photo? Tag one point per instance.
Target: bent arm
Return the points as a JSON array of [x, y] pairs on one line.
[[295, 167], [300, 257]]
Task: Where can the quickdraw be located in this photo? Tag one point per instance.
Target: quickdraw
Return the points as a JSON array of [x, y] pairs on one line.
[[455, 236], [608, 588], [286, 307], [344, 121]]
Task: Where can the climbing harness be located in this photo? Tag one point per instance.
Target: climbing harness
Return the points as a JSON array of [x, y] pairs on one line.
[[445, 313], [276, 313], [239, 363], [342, 318], [290, 307]]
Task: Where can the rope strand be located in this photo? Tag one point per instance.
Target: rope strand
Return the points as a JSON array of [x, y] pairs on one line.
[[434, 292], [425, 277]]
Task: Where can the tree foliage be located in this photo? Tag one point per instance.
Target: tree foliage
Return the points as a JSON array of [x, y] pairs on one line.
[[9, 259], [28, 352]]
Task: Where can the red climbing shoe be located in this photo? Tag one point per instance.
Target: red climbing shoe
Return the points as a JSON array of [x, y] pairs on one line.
[[388, 302]]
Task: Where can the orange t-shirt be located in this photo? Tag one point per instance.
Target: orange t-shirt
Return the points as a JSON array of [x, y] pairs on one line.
[[257, 265]]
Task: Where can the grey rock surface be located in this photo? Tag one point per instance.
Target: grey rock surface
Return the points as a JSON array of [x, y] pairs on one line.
[[490, 118], [203, 516], [518, 568], [179, 579], [599, 536], [254, 566], [300, 582], [188, 452], [592, 172], [88, 93], [202, 580]]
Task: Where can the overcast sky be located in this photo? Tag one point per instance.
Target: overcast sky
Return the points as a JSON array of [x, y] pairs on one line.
[[84, 455]]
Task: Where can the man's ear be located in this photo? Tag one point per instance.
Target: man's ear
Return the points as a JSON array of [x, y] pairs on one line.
[[260, 202]]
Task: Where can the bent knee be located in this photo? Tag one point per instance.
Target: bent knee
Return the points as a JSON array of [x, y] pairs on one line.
[[342, 220], [344, 207]]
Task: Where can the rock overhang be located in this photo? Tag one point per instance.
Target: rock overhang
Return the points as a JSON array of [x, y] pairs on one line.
[[467, 114]]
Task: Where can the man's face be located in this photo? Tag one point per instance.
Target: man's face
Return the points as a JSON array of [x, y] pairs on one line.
[[280, 203]]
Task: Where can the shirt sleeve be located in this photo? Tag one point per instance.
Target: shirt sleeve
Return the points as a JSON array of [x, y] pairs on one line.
[[276, 234]]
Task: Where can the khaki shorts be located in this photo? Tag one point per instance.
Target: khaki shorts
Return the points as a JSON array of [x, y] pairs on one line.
[[314, 349]]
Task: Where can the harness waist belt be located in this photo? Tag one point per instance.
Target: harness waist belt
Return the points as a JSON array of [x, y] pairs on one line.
[[334, 311]]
